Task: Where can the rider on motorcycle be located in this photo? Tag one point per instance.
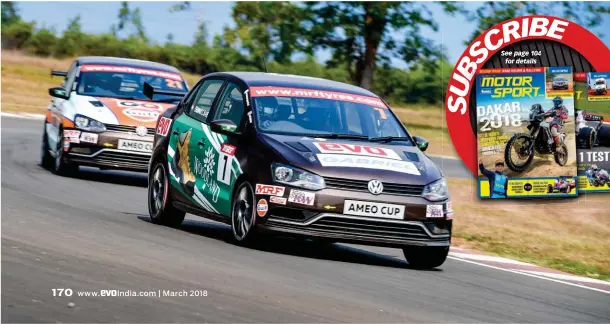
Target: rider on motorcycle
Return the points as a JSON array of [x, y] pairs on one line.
[[559, 112], [498, 182], [592, 173]]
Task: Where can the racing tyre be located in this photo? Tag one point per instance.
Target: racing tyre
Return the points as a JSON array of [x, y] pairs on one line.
[[61, 166], [562, 158], [46, 159], [243, 213], [603, 135], [420, 257], [520, 142], [160, 207], [586, 137]]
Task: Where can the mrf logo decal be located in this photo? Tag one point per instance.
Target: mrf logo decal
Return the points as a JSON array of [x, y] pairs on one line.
[[262, 189], [228, 149], [163, 126], [354, 149]]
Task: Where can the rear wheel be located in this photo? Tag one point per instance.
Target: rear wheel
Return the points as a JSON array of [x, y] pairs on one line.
[[61, 166], [422, 257], [243, 211], [160, 207], [46, 159]]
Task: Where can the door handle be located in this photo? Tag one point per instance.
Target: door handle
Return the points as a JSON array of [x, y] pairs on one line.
[[201, 142], [175, 132]]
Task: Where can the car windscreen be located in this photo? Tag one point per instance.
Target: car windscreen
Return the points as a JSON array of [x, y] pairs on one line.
[[126, 82], [600, 82], [318, 113]]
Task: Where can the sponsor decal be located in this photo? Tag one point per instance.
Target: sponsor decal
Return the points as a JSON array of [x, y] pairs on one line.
[[88, 138], [367, 162], [434, 211], [310, 93], [355, 149], [138, 146], [329, 207], [228, 149], [263, 189], [302, 197], [125, 69], [247, 100], [262, 208], [140, 114], [371, 209], [164, 126], [277, 200], [206, 170], [71, 133]]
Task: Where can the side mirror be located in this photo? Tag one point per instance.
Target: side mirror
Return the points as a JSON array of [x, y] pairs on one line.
[[224, 126], [59, 92], [421, 142]]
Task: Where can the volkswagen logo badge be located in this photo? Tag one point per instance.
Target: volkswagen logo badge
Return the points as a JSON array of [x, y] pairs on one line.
[[141, 131], [375, 187]]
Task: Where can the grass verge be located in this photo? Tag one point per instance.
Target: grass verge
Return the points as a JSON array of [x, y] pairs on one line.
[[571, 235]]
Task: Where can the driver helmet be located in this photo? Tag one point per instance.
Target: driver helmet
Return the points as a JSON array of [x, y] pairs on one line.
[[594, 167], [557, 102], [266, 102]]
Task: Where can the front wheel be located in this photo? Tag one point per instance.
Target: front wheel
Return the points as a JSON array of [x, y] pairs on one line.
[[562, 158], [243, 211], [425, 257], [160, 207], [517, 154], [46, 159], [61, 166]]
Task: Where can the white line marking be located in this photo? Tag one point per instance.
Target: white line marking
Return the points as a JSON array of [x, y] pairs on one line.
[[567, 277], [530, 275], [489, 258], [22, 116]]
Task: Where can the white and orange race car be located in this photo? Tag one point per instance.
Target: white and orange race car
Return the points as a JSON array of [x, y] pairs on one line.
[[100, 117]]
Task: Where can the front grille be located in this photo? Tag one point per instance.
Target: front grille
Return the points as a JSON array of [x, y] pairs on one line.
[[122, 158], [126, 129], [359, 228], [362, 185]]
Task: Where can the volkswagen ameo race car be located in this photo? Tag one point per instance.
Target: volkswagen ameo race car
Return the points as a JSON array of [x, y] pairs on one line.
[[100, 116], [302, 157]]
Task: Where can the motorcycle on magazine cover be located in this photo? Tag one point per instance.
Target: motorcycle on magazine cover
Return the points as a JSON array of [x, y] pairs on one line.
[[538, 140], [601, 180]]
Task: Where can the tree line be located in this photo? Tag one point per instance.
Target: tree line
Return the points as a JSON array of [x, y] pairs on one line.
[[361, 37]]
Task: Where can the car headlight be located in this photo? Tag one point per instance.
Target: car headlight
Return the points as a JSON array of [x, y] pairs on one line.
[[296, 177], [89, 124], [437, 190]]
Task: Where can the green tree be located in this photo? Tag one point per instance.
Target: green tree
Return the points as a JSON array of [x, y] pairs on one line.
[[72, 39], [133, 19], [587, 14], [267, 28], [201, 36], [16, 35], [363, 34], [42, 42], [10, 13]]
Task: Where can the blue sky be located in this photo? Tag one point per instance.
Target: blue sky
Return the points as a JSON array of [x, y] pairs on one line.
[[97, 17]]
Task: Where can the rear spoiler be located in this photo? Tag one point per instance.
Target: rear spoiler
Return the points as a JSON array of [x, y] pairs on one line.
[[149, 92], [59, 73]]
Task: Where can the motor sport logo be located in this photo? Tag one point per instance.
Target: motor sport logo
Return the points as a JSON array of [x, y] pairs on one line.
[[262, 189], [229, 150], [302, 197], [319, 94], [355, 149], [163, 126], [125, 69]]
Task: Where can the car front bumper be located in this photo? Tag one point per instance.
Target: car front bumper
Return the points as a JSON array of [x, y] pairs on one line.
[[327, 219], [560, 86], [112, 150]]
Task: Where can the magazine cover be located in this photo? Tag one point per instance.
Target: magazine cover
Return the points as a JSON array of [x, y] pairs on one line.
[[593, 131], [525, 132]]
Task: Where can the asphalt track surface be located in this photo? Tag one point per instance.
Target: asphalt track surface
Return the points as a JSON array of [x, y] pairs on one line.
[[92, 232]]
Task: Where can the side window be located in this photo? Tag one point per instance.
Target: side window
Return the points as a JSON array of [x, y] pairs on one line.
[[70, 77], [201, 105], [231, 105]]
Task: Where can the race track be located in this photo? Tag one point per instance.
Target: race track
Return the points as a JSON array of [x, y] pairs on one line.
[[92, 232]]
